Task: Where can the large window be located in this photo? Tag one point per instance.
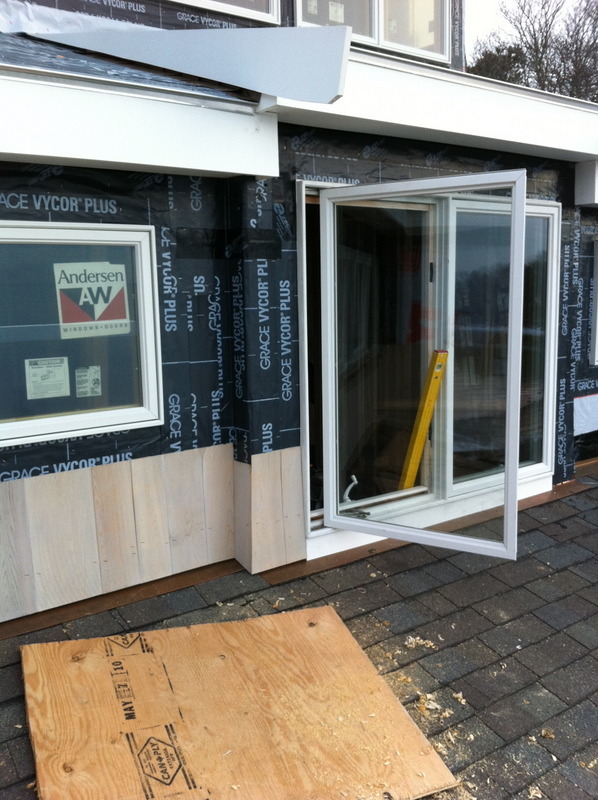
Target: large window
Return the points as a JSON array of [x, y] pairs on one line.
[[79, 346], [418, 27]]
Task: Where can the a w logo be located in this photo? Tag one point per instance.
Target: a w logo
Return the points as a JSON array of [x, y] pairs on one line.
[[87, 304]]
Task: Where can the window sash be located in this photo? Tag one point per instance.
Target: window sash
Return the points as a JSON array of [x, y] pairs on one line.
[[383, 23]]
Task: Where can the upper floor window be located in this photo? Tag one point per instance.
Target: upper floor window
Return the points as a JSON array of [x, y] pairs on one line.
[[417, 27], [263, 10]]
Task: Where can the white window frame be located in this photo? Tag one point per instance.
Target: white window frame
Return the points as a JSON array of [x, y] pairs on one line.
[[515, 180], [272, 15], [594, 312], [381, 43], [537, 477], [150, 411]]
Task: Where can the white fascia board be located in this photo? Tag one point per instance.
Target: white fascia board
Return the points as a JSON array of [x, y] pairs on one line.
[[67, 122], [426, 103]]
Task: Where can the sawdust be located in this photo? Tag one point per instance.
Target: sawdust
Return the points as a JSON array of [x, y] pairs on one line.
[[416, 641]]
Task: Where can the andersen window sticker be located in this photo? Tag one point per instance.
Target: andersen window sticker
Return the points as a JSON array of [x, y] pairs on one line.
[[92, 299]]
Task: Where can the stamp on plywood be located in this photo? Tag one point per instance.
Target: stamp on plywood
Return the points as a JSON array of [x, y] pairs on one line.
[[159, 760], [129, 642]]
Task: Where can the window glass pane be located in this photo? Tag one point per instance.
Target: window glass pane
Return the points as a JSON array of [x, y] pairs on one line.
[[356, 13], [415, 23], [262, 6], [382, 284], [69, 332], [481, 295], [480, 360], [534, 339]]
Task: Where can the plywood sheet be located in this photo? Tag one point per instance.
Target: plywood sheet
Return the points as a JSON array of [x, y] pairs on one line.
[[283, 707]]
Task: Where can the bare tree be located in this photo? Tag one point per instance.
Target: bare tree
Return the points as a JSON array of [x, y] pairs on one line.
[[496, 58], [535, 23], [578, 52], [550, 49]]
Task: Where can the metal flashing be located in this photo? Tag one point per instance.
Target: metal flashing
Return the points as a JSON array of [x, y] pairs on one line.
[[314, 59]]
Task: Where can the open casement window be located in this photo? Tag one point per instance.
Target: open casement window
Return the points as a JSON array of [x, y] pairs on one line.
[[413, 27], [79, 330], [422, 285]]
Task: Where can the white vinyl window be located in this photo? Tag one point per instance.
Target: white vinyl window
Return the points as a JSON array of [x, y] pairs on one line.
[[413, 27], [79, 335], [262, 10], [414, 275]]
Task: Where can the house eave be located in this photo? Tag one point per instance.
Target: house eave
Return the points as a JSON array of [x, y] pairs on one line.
[[399, 98], [68, 120]]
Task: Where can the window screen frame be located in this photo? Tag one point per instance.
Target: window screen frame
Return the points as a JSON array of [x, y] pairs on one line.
[[32, 428]]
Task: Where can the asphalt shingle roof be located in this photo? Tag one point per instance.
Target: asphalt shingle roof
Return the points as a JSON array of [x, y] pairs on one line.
[[496, 661]]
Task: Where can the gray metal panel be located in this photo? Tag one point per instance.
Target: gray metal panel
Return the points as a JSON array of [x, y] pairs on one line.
[[304, 64]]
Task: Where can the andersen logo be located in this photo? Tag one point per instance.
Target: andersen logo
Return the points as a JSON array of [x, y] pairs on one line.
[[92, 299]]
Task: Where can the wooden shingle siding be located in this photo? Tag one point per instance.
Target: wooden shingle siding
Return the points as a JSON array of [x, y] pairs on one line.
[[77, 534]]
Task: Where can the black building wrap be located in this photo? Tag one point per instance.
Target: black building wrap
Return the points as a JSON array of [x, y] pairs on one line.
[[226, 272], [188, 214], [338, 157], [269, 286], [154, 13], [227, 275], [578, 316]]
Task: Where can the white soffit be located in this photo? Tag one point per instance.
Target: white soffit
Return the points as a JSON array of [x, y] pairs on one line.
[[69, 122], [438, 105], [304, 64]]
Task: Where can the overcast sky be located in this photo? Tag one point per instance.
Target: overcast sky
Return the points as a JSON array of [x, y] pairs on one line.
[[481, 17]]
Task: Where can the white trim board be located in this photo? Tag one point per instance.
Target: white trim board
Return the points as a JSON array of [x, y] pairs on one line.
[[63, 121], [387, 97]]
